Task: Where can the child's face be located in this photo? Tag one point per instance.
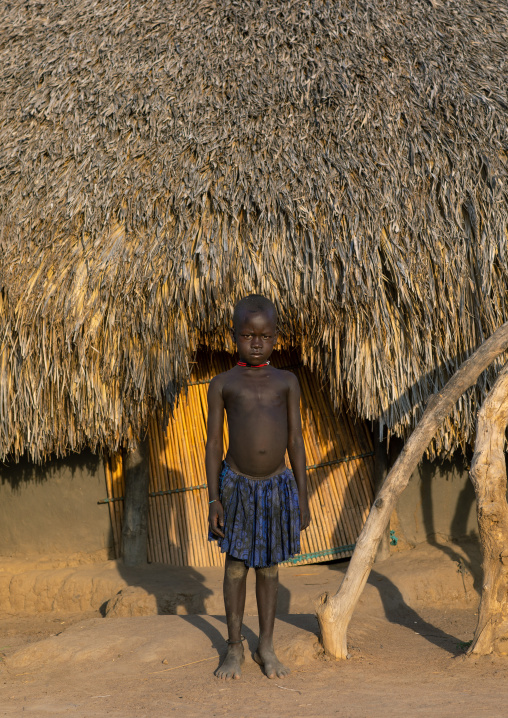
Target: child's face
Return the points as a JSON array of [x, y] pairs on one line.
[[255, 336]]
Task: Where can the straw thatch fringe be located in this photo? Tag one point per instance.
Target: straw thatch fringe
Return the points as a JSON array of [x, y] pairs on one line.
[[159, 159]]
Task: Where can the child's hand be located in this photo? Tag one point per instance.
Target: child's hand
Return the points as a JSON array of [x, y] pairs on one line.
[[216, 519], [304, 516]]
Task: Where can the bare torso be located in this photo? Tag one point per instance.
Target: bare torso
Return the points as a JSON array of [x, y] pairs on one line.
[[256, 404]]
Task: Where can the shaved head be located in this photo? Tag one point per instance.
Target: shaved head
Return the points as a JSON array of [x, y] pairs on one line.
[[253, 304]]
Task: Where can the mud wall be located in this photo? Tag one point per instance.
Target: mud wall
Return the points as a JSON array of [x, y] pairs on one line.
[[438, 504], [52, 509]]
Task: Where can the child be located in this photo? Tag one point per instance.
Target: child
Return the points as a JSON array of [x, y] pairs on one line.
[[257, 506]]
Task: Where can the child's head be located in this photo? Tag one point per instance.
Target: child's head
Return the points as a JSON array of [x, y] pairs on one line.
[[255, 328]]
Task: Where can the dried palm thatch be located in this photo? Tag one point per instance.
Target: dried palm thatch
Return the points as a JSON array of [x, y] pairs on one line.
[[161, 158]]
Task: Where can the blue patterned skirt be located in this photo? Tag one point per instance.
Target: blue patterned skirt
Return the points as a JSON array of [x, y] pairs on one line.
[[261, 518]]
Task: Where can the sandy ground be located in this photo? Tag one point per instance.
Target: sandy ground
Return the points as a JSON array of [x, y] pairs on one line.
[[406, 642]]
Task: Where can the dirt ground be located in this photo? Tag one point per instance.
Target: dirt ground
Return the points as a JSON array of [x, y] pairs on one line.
[[407, 642]]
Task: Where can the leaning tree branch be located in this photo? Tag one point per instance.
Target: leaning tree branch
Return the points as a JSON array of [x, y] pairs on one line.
[[334, 612]]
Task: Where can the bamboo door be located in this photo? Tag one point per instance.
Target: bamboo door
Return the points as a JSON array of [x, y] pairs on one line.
[[339, 461]]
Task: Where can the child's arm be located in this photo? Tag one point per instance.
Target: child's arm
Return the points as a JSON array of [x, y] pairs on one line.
[[296, 448], [213, 456]]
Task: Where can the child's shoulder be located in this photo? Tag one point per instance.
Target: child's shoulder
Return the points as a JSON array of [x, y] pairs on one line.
[[286, 376], [220, 379]]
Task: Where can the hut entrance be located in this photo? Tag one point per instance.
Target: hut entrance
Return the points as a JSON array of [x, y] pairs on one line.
[[339, 461]]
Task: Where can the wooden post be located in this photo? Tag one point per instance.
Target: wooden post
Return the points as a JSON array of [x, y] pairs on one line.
[[380, 474], [135, 517], [488, 474]]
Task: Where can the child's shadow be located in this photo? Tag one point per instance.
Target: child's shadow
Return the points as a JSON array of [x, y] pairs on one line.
[[174, 542]]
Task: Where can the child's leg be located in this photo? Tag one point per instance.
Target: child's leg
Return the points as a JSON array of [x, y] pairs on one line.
[[235, 579], [267, 586]]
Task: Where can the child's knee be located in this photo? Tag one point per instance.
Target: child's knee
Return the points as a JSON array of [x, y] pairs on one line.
[[268, 572], [235, 570]]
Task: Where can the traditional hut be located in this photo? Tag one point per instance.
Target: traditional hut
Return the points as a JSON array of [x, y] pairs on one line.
[[160, 159]]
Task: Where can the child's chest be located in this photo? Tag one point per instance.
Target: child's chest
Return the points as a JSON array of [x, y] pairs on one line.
[[260, 393]]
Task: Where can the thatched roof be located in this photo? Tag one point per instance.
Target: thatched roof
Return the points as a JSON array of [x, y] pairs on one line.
[[161, 158]]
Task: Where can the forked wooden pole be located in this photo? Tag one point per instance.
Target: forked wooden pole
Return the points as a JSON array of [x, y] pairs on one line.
[[334, 612], [488, 474]]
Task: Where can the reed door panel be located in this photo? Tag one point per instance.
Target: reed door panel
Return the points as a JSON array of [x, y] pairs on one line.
[[340, 473]]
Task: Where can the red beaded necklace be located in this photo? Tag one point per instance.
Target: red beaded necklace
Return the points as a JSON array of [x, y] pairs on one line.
[[252, 366]]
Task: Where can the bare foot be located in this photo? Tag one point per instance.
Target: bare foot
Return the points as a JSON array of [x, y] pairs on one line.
[[231, 665], [272, 666]]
